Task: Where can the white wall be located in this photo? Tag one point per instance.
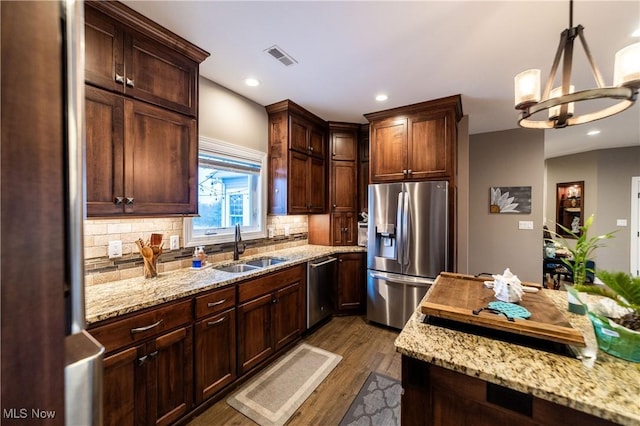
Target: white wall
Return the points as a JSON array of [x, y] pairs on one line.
[[507, 158], [229, 117]]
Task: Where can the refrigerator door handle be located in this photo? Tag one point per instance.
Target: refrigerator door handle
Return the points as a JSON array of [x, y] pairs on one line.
[[405, 230], [402, 279], [400, 230]]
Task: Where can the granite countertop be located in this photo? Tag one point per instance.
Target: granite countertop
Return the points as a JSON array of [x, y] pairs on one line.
[[609, 388], [117, 298]]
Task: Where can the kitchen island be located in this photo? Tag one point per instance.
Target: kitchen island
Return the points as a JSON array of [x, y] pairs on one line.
[[456, 377]]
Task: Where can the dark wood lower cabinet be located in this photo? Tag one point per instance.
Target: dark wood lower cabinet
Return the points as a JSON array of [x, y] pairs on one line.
[[215, 357], [255, 341], [120, 404], [158, 359], [170, 377], [436, 396], [271, 317], [351, 287], [150, 383]]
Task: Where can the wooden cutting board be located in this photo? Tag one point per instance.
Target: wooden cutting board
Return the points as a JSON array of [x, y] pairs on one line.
[[456, 296]]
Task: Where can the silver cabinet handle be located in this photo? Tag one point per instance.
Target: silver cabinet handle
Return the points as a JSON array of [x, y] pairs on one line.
[[130, 83], [212, 304], [119, 78], [130, 200], [147, 328], [409, 171], [334, 205], [118, 200], [212, 323], [142, 360]]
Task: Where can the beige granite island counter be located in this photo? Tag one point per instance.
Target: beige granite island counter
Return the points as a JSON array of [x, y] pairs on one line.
[[448, 375], [113, 299]]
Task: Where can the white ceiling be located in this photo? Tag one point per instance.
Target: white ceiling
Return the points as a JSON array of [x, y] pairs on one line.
[[348, 51]]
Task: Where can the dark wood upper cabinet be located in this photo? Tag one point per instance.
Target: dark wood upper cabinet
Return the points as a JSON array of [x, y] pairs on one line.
[[119, 57], [141, 115], [297, 163], [141, 159], [415, 142]]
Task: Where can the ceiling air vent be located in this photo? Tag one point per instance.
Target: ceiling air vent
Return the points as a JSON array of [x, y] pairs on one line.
[[281, 55]]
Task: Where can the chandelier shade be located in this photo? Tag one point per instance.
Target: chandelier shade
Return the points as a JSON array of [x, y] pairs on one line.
[[562, 102]]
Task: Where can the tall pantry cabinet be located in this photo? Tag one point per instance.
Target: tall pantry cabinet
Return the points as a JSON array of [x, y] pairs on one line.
[[339, 227], [141, 115]]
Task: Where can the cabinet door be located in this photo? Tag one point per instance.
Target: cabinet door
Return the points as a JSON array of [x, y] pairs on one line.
[[351, 282], [104, 113], [343, 229], [160, 161], [103, 52], [255, 339], [343, 186], [170, 390], [122, 388], [298, 134], [344, 146], [317, 185], [215, 357], [159, 75], [316, 141], [289, 314], [429, 146], [298, 183], [388, 150]]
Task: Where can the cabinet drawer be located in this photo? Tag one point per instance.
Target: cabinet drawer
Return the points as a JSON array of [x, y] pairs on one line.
[[216, 301], [251, 289], [142, 326]]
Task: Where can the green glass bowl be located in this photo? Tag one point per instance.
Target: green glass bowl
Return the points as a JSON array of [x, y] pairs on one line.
[[616, 340]]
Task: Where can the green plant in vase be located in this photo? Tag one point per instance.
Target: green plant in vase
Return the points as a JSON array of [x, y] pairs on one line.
[[582, 251], [624, 290]]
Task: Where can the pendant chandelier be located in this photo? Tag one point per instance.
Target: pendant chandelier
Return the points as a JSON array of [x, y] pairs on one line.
[[559, 102]]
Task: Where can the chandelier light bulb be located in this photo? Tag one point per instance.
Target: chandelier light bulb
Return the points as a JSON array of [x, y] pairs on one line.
[[626, 70], [527, 87]]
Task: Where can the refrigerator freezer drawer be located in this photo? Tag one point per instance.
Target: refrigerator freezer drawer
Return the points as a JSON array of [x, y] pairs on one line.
[[392, 298]]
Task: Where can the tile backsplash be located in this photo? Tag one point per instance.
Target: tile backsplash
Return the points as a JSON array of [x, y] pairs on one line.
[[99, 232]]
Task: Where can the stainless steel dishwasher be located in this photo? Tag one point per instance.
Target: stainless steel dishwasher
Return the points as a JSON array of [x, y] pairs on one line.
[[321, 275]]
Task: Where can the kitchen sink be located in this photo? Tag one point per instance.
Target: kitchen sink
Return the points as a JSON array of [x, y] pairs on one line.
[[265, 261], [237, 268]]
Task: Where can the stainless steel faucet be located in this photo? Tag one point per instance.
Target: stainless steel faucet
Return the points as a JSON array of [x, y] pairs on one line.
[[238, 247]]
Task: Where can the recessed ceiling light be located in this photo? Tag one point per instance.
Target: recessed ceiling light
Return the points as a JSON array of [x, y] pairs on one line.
[[253, 82], [593, 132], [381, 97]]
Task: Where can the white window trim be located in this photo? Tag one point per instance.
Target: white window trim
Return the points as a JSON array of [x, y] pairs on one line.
[[218, 147]]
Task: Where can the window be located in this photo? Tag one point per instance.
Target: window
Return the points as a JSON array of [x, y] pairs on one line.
[[231, 190]]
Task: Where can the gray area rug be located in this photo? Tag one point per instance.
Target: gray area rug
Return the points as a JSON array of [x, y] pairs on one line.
[[377, 403], [271, 397]]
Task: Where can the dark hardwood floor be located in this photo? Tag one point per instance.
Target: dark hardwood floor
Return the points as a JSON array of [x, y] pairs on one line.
[[364, 348]]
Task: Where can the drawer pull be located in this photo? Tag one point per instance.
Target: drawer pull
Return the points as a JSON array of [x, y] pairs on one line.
[[219, 302], [142, 360], [130, 83], [119, 79], [153, 354], [147, 328], [212, 323]]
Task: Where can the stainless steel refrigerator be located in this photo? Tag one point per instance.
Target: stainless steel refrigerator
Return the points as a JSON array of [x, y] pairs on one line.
[[407, 247]]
